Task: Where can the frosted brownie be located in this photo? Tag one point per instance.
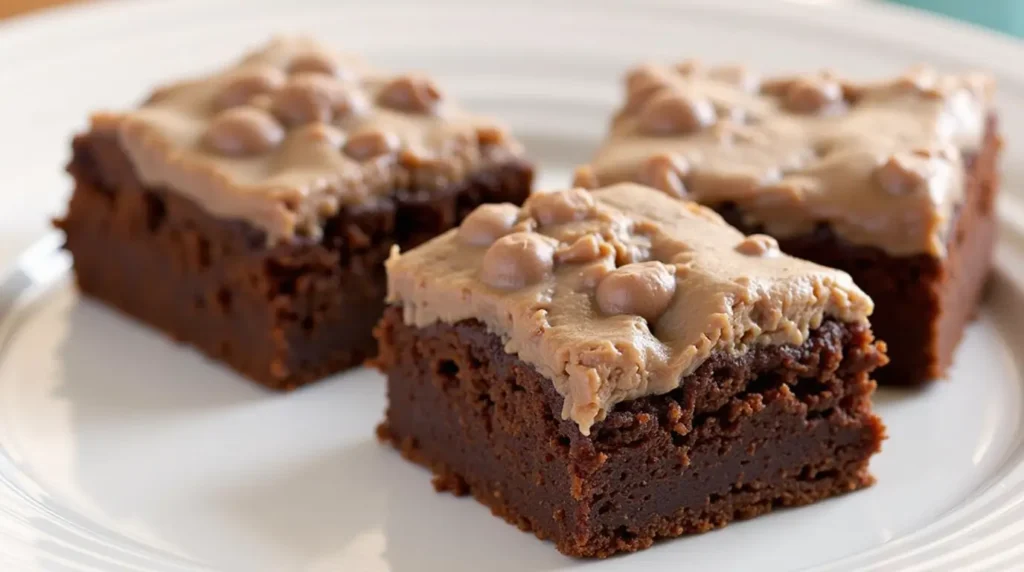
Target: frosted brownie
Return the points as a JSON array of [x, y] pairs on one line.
[[892, 181], [249, 212], [612, 367]]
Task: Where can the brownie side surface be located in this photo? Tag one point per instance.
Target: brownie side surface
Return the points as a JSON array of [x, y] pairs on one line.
[[971, 245], [777, 426], [283, 315], [923, 303]]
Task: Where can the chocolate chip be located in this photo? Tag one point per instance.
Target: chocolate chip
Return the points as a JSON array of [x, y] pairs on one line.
[[307, 98], [488, 223], [673, 113], [490, 135], [644, 289], [243, 131], [812, 95], [366, 145], [688, 66], [904, 173], [348, 103], [918, 79], [758, 245], [643, 78], [411, 93], [249, 83], [585, 249], [315, 62], [517, 260], [416, 157], [560, 207], [584, 177], [665, 172], [777, 86], [641, 84]]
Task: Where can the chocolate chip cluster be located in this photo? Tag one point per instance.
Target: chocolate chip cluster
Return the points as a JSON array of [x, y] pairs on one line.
[[686, 101], [259, 104], [663, 107], [518, 255], [809, 94], [666, 172]]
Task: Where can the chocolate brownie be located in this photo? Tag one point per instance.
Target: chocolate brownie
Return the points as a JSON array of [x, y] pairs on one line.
[[891, 181], [609, 368], [249, 212]]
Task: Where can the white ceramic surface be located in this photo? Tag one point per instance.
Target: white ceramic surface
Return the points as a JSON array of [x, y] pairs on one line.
[[120, 451]]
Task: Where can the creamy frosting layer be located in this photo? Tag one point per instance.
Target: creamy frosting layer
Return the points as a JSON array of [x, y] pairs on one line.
[[882, 163], [617, 293], [295, 130]]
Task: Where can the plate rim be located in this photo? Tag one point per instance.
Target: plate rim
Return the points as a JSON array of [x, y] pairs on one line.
[[918, 25], [973, 45]]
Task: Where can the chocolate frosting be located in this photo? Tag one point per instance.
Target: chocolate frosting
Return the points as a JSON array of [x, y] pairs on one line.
[[294, 131], [882, 163], [616, 293]]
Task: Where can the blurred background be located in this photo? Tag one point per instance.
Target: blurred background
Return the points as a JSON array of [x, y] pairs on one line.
[[1006, 16]]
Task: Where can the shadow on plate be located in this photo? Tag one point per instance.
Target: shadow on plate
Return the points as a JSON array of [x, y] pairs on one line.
[[894, 395], [145, 373], [377, 513], [325, 515], [293, 487]]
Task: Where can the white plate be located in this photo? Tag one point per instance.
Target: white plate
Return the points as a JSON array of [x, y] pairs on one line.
[[120, 451]]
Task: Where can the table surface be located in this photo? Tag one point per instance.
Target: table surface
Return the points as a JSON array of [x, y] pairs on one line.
[[1004, 15], [13, 7]]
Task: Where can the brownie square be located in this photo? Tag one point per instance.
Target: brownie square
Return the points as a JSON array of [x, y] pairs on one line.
[[249, 213], [892, 181], [614, 367]]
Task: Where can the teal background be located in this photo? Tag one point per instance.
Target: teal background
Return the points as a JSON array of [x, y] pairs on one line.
[[1003, 15]]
